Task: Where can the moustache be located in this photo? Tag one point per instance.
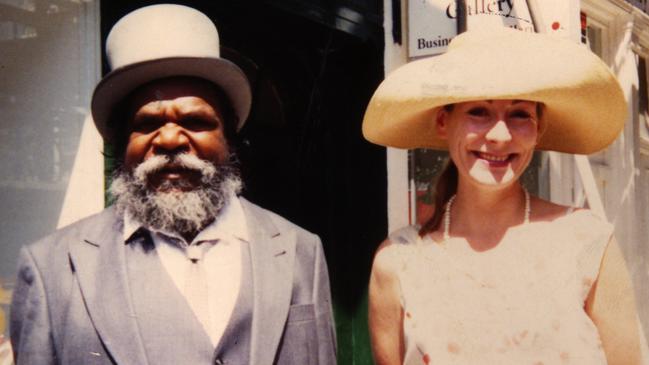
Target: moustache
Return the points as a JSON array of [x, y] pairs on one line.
[[183, 161]]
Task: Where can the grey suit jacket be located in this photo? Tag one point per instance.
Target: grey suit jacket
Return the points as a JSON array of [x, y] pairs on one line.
[[73, 304]]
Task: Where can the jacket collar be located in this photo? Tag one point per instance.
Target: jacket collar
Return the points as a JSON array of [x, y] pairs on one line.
[[273, 254], [101, 270]]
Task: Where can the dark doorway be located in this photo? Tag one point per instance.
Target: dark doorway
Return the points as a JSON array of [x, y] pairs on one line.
[[313, 66]]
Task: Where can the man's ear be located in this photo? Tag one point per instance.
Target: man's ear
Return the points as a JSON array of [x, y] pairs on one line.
[[441, 123]]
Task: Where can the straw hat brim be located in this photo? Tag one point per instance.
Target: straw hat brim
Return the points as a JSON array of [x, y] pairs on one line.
[[584, 109], [120, 82]]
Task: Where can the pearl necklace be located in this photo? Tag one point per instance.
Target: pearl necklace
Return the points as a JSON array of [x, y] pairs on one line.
[[447, 214]]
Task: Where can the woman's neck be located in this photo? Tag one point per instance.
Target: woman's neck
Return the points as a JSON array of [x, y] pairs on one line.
[[483, 215]]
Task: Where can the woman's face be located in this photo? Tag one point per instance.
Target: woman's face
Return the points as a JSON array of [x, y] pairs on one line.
[[490, 141]]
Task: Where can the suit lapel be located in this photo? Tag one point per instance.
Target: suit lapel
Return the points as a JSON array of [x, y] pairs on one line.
[[100, 267], [272, 255], [100, 264]]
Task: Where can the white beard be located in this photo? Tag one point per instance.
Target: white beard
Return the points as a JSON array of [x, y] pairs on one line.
[[174, 210]]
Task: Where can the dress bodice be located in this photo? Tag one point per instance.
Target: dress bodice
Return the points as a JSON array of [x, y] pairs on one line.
[[521, 302]]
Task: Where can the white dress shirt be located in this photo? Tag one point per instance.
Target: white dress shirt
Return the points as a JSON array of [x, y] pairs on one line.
[[222, 261]]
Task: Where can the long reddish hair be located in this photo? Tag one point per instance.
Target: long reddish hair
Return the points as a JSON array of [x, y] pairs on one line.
[[445, 188]]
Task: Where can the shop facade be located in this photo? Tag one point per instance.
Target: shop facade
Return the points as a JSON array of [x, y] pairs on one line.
[[614, 182], [314, 65]]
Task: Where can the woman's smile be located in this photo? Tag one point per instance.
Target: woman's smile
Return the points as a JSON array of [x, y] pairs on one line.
[[493, 160]]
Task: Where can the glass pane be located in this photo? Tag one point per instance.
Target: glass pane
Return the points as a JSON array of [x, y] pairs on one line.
[[427, 165], [643, 106], [47, 71]]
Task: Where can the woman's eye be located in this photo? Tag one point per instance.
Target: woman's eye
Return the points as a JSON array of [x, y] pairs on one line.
[[479, 112], [520, 114]]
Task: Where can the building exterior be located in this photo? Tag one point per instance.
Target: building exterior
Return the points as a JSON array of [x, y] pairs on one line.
[[52, 162], [53, 166], [614, 182], [313, 65]]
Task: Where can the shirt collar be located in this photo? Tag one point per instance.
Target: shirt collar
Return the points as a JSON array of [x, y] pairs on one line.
[[131, 225], [230, 223]]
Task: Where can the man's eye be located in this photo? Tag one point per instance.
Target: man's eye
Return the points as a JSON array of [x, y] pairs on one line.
[[198, 124], [146, 125], [479, 112]]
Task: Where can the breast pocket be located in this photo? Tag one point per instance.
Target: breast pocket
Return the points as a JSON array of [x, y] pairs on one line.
[[299, 343]]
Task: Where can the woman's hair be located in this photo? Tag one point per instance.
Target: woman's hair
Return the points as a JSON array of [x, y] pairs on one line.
[[445, 188]]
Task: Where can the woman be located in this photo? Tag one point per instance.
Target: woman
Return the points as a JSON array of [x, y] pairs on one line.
[[497, 276]]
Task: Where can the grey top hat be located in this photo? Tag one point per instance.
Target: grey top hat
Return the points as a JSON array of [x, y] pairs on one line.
[[160, 41]]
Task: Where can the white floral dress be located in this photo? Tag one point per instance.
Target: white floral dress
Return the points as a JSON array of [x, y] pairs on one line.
[[519, 303]]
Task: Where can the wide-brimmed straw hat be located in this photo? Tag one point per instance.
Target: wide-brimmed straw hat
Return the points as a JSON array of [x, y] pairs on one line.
[[584, 109], [161, 41]]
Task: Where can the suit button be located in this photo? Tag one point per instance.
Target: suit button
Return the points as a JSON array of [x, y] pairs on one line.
[[218, 362]]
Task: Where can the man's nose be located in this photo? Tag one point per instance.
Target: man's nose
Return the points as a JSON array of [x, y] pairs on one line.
[[499, 132], [170, 138]]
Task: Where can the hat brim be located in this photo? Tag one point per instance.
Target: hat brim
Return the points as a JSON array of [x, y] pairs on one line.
[[119, 83], [584, 112]]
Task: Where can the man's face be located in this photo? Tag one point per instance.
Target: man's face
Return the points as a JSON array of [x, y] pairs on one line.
[[173, 116]]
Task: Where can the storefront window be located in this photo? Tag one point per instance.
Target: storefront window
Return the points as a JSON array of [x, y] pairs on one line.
[[48, 66], [643, 107], [426, 165]]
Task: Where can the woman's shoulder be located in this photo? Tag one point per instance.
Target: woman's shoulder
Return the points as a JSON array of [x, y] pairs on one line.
[[582, 224], [394, 251], [546, 211], [407, 235]]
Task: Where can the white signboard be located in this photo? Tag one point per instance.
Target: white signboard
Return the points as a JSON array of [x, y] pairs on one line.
[[433, 23]]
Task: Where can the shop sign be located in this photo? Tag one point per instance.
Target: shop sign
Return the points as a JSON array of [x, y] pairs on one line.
[[433, 23]]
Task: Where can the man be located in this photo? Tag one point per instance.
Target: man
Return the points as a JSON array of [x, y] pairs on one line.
[[180, 270]]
